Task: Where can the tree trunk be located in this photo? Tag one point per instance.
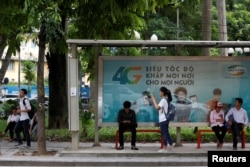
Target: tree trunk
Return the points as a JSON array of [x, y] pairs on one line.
[[57, 62], [58, 110], [222, 22], [5, 61], [41, 139], [206, 24]]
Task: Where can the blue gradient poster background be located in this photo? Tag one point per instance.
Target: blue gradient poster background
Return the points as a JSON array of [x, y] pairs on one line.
[[135, 78]]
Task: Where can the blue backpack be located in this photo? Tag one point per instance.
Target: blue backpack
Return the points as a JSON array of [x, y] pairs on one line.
[[171, 111]]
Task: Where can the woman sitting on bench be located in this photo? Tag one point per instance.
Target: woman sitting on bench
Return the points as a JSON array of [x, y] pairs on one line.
[[217, 123]]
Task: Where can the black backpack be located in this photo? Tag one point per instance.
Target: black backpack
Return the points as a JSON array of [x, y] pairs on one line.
[[31, 113]]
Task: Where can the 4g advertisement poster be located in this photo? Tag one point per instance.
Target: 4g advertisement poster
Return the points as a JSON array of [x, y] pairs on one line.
[[195, 82]]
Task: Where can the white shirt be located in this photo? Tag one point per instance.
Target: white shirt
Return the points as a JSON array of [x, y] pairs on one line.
[[163, 104], [24, 115], [13, 118], [216, 118], [240, 116]]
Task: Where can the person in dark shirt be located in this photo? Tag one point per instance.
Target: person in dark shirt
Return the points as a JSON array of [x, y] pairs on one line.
[[127, 122]]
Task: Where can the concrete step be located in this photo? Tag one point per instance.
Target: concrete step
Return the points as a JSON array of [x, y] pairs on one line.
[[104, 161]]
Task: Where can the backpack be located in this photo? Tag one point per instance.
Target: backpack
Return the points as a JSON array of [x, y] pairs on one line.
[[171, 111], [31, 113]]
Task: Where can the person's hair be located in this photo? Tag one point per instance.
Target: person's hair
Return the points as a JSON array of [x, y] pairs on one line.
[[180, 89], [166, 92], [13, 108], [240, 100], [217, 91], [24, 91], [145, 93], [126, 104]]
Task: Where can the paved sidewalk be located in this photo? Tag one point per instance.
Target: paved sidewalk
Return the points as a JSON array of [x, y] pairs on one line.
[[107, 155]]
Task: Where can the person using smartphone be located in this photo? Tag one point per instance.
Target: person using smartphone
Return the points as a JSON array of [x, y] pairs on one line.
[[217, 123]]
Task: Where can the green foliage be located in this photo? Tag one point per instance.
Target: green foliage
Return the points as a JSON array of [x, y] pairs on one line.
[[5, 108], [29, 70], [85, 117], [86, 120], [107, 134], [12, 20], [238, 19]]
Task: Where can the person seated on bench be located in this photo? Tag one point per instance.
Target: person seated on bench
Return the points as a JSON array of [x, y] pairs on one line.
[[240, 120], [217, 123], [127, 121]]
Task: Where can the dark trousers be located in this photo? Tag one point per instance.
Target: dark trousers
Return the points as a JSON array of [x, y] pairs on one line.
[[164, 126], [236, 128], [133, 132], [220, 132], [23, 125], [10, 127]]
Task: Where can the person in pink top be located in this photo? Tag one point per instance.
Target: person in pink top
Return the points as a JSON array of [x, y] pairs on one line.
[[217, 123]]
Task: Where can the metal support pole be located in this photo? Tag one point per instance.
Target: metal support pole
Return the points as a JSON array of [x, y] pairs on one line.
[[96, 142], [73, 98], [178, 137], [19, 70], [177, 23], [177, 31]]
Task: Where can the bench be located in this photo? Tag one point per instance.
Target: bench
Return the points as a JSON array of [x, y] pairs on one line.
[[139, 130], [243, 135]]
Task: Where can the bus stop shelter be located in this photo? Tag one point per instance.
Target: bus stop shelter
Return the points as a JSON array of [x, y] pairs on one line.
[[73, 72]]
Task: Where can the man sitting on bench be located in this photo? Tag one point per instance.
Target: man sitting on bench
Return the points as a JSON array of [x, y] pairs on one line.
[[240, 120], [127, 121]]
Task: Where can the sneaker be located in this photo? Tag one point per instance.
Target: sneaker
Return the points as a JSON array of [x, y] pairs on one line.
[[134, 148], [170, 148], [27, 146], [18, 144], [162, 151], [120, 148]]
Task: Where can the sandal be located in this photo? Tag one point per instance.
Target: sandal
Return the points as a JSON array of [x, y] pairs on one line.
[[134, 148], [120, 148]]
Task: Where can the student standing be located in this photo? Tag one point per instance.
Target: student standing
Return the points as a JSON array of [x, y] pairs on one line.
[[24, 123], [162, 107]]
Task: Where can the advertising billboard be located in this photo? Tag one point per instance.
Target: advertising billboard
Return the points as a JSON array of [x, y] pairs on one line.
[[195, 83]]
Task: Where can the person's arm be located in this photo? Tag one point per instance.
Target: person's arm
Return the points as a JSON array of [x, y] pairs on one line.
[[8, 120], [157, 107], [230, 112], [27, 106], [133, 121], [246, 119], [212, 120], [31, 125], [119, 119]]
